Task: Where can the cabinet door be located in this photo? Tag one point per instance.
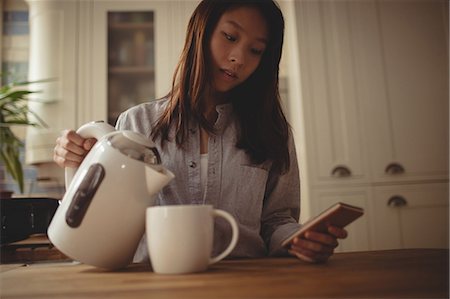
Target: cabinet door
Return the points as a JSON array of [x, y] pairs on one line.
[[410, 216], [53, 55], [135, 44], [331, 104], [358, 232], [402, 53], [131, 60]]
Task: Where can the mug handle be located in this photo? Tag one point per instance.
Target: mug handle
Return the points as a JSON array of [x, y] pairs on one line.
[[234, 227]]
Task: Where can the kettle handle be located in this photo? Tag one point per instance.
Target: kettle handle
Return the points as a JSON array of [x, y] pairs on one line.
[[95, 129]]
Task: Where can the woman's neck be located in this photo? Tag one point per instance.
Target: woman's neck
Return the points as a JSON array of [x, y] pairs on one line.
[[211, 101], [210, 114]]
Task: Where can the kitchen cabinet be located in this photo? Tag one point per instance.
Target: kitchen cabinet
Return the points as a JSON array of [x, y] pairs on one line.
[[403, 62], [374, 77], [334, 135], [410, 216], [131, 60], [53, 55], [104, 56], [396, 216], [137, 45], [376, 90]]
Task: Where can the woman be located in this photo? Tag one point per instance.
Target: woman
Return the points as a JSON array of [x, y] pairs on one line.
[[222, 132]]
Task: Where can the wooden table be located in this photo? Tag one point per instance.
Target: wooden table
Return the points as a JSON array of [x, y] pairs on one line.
[[375, 274], [33, 249]]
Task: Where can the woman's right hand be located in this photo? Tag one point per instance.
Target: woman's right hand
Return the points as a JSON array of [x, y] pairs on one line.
[[71, 149]]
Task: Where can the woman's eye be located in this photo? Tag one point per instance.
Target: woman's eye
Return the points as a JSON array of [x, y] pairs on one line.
[[229, 37], [257, 52]]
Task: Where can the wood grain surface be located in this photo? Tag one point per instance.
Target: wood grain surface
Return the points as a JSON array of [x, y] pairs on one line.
[[411, 273]]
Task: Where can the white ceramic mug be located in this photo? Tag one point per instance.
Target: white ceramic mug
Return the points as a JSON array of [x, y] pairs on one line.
[[180, 237]]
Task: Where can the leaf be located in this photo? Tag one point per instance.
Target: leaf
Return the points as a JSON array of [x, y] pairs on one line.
[[23, 83], [18, 95], [40, 120], [14, 111], [9, 154]]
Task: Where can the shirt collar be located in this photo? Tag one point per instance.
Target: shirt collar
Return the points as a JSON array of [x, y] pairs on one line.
[[224, 115]]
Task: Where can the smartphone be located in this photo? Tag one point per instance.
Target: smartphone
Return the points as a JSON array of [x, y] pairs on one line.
[[340, 215]]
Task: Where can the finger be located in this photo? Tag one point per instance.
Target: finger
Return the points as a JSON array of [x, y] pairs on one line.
[[326, 239], [302, 256], [58, 160], [72, 136], [62, 162], [313, 246], [309, 256], [338, 232], [89, 143], [63, 156], [65, 143]]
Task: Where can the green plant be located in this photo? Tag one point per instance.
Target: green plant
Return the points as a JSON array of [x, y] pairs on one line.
[[14, 111]]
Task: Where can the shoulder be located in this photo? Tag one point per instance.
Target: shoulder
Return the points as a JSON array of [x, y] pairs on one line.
[[290, 137], [142, 117]]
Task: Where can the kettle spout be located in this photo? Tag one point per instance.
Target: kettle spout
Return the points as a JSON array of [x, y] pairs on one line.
[[156, 179]]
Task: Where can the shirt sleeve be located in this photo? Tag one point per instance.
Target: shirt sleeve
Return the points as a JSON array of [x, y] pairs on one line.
[[140, 118], [127, 118], [281, 208], [119, 123]]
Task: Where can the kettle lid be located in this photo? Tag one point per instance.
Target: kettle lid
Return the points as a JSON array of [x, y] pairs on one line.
[[135, 146]]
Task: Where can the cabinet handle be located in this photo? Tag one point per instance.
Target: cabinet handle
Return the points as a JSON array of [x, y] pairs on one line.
[[394, 168], [341, 171], [397, 201]]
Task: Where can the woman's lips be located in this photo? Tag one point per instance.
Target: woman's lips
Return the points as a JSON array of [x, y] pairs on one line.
[[229, 75]]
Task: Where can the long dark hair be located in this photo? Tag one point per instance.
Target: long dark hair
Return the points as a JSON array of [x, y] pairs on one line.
[[263, 129]]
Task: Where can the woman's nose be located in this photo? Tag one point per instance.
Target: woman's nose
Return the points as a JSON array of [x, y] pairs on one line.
[[237, 57]]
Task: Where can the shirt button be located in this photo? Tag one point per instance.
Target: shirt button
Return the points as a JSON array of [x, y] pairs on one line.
[[192, 164]]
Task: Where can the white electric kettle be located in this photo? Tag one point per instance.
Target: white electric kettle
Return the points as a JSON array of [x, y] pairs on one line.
[[101, 218]]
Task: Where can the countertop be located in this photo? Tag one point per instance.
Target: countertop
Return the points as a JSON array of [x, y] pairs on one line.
[[404, 273]]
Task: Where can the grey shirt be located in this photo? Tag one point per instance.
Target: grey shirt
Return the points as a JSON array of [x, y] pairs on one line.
[[266, 205]]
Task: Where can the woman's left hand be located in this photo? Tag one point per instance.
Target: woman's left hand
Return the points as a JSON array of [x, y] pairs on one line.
[[317, 247]]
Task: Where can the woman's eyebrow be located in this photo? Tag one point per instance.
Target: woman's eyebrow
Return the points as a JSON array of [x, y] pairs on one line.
[[235, 24]]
